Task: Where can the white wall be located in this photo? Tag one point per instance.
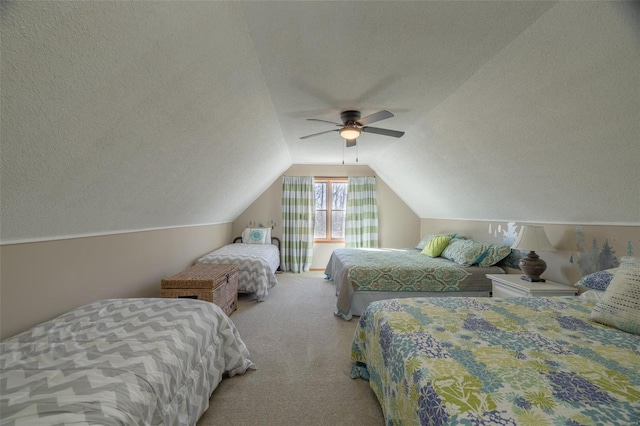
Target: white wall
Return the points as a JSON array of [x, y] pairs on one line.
[[576, 245], [41, 280], [398, 225]]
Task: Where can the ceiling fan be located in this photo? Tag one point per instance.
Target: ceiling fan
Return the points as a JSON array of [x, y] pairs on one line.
[[352, 126]]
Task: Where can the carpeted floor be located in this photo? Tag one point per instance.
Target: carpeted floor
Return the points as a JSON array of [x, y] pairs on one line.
[[301, 351]]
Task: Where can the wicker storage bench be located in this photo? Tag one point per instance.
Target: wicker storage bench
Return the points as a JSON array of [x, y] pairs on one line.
[[214, 283]]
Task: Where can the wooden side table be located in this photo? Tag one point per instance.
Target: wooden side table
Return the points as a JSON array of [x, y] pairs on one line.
[[511, 285], [213, 283]]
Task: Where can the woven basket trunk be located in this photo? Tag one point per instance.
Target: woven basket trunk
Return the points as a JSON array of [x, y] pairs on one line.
[[212, 283]]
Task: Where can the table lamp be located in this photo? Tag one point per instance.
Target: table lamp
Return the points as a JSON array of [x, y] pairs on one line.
[[532, 238]]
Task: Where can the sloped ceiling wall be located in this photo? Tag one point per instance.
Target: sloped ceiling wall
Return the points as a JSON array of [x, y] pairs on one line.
[[120, 116], [548, 130]]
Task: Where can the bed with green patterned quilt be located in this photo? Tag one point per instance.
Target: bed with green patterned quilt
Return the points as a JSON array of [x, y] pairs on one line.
[[491, 361], [365, 275]]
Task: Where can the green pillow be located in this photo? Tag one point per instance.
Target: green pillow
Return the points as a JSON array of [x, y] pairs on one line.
[[435, 245], [426, 239]]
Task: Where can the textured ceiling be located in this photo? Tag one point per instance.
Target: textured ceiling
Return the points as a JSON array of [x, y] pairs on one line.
[[132, 115]]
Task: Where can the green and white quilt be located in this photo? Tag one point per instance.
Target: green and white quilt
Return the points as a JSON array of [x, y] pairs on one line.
[[483, 361], [400, 270]]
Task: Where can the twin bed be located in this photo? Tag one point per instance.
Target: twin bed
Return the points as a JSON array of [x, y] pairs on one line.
[[257, 264], [120, 361], [362, 276]]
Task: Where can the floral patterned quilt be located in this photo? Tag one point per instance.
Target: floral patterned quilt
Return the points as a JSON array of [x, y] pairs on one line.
[[488, 361]]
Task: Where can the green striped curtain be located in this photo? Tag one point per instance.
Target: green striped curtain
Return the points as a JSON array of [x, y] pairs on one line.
[[361, 227], [298, 219]]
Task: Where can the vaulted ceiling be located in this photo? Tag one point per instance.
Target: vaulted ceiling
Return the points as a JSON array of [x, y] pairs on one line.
[[133, 115]]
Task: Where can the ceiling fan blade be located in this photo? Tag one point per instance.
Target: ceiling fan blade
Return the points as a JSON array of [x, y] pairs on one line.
[[385, 132], [324, 121], [351, 142], [380, 115], [321, 133]]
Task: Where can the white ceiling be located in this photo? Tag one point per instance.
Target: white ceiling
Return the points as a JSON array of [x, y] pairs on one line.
[[133, 115]]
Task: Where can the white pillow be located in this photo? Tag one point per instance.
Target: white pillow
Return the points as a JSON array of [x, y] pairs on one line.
[[256, 236], [593, 295], [620, 304]]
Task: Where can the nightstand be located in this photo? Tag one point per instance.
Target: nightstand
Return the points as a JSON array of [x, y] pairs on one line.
[[510, 285]]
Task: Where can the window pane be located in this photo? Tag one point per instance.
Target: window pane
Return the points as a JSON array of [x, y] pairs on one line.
[[338, 195], [320, 229], [320, 192], [337, 224]]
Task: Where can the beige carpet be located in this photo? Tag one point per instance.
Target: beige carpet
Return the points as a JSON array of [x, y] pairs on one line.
[[301, 351]]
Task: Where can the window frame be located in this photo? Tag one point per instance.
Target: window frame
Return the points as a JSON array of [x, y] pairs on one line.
[[328, 212]]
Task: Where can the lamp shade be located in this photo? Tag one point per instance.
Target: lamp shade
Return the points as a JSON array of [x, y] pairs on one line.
[[350, 132], [532, 238]]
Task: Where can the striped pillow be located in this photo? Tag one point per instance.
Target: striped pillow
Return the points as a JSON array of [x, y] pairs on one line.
[[620, 304]]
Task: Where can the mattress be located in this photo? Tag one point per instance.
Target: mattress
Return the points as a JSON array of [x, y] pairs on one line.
[[525, 361], [364, 275], [120, 361], [257, 265]]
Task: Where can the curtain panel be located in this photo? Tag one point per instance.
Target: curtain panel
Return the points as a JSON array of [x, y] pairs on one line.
[[298, 219], [361, 227]]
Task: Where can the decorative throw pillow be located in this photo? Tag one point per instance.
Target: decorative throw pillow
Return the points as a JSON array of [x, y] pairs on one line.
[[494, 254], [620, 304], [426, 239], [593, 295], [598, 280], [435, 245], [256, 236], [464, 252]]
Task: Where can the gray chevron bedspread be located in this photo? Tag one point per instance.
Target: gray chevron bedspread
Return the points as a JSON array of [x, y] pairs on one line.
[[120, 361], [257, 265]]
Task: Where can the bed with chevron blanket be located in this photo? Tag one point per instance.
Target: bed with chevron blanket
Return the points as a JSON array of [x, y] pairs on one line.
[[120, 362], [491, 361], [362, 276], [257, 265]]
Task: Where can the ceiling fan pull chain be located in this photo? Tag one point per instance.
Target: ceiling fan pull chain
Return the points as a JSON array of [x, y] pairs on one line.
[[356, 153]]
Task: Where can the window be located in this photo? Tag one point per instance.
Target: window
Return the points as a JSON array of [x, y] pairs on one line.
[[331, 205]]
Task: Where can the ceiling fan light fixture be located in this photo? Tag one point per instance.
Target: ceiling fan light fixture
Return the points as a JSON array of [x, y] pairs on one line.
[[350, 132]]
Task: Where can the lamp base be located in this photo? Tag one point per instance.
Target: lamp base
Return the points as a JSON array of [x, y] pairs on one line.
[[533, 279], [532, 267]]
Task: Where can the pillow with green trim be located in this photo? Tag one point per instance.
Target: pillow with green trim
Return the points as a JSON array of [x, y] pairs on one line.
[[620, 304], [494, 254], [464, 252], [256, 236], [435, 245]]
